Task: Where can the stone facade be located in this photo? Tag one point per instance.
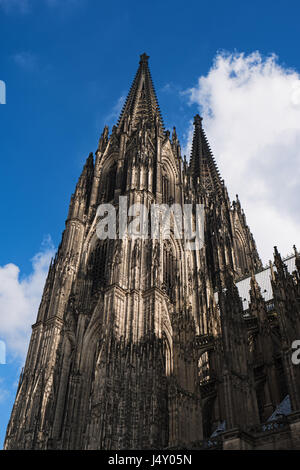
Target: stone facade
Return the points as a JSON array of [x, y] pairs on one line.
[[142, 344]]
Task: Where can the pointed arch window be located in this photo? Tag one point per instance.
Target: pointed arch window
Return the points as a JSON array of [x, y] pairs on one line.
[[203, 368], [108, 183], [166, 364], [169, 270], [167, 188], [240, 254], [111, 182], [98, 265]]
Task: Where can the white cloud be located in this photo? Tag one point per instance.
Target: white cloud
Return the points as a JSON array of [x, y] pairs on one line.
[[251, 111], [25, 6], [20, 299], [20, 6], [26, 60], [4, 392], [116, 110]]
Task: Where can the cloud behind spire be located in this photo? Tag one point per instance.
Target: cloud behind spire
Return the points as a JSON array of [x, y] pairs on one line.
[[251, 110]]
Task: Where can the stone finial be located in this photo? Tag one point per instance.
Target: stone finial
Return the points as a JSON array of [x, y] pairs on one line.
[[103, 139], [254, 286], [144, 58], [198, 120], [297, 256], [272, 270]]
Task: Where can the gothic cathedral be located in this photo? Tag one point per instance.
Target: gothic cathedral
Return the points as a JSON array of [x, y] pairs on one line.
[[143, 344]]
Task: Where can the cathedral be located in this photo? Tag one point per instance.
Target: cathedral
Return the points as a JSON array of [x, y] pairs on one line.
[[142, 343]]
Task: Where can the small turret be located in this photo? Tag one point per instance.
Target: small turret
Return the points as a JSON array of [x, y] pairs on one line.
[[280, 266], [297, 258], [103, 140], [80, 199]]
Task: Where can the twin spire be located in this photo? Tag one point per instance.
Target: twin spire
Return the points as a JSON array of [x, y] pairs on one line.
[[142, 104], [202, 162]]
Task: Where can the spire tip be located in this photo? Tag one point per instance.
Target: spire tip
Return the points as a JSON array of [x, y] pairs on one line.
[[144, 58], [198, 119]]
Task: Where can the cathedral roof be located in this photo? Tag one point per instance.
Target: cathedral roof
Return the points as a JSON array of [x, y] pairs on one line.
[[141, 102]]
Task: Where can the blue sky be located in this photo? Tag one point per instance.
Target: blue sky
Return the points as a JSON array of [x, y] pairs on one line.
[[68, 65]]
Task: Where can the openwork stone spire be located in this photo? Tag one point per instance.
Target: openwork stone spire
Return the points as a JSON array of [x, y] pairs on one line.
[[141, 102], [202, 163]]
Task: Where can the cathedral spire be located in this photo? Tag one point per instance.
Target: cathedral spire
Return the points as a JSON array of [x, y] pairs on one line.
[[255, 291], [141, 102], [297, 258], [280, 266], [202, 163]]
